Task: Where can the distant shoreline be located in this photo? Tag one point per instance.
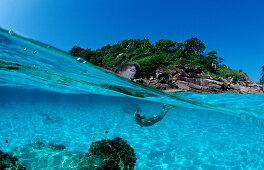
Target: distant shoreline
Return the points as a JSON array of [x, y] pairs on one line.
[[214, 86], [170, 66]]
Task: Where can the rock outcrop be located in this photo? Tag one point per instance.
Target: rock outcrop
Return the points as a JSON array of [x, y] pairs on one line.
[[129, 70], [186, 77]]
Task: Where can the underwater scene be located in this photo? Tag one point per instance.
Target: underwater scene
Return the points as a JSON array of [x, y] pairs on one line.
[[59, 113]]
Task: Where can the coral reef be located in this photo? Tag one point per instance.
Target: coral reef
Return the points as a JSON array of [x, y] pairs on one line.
[[114, 154], [9, 162], [105, 154]]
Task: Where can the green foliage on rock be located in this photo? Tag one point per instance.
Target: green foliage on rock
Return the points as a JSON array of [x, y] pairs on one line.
[[162, 54], [228, 73], [115, 154]]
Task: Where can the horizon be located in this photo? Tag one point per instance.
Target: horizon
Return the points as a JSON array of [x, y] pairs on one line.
[[233, 29]]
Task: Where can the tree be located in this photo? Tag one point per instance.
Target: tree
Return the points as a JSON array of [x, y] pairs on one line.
[[165, 45], [161, 54], [212, 56], [262, 76], [75, 50], [194, 44]]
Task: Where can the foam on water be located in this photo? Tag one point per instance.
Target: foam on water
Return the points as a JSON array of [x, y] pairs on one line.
[[47, 96]]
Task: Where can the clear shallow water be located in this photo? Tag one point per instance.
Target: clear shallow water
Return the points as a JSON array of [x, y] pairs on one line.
[[47, 96]]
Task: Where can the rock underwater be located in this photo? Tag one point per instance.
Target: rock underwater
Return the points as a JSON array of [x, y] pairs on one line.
[[9, 162], [104, 154]]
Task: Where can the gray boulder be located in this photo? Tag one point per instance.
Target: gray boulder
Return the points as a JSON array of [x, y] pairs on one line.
[[129, 70]]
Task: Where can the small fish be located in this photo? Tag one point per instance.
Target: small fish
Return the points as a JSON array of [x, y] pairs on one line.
[[6, 141], [106, 131]]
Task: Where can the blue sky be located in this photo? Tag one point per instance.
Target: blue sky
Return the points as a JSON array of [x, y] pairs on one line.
[[233, 28]]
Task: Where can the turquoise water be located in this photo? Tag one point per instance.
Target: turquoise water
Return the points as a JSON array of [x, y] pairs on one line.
[[45, 95]]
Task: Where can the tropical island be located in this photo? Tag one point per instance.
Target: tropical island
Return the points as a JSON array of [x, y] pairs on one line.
[[170, 66]]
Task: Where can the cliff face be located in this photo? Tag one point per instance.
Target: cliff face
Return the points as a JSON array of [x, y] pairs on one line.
[[191, 78]]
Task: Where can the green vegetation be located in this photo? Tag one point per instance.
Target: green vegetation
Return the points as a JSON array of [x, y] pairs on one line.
[[227, 73], [262, 76], [161, 55]]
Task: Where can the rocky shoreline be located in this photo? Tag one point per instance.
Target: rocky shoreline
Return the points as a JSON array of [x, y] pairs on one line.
[[186, 77]]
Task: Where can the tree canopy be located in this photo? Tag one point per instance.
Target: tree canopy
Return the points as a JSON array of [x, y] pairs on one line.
[[162, 54], [262, 75]]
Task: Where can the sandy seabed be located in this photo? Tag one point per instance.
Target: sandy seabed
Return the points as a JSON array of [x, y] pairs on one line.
[[184, 139]]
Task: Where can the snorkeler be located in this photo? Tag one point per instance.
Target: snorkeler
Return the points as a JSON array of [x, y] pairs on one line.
[[143, 121]]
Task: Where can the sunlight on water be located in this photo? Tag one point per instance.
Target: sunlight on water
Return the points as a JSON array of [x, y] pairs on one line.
[[48, 96]]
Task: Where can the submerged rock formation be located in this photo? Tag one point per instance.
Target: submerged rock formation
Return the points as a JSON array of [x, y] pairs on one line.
[[186, 77], [104, 154], [115, 154], [9, 162]]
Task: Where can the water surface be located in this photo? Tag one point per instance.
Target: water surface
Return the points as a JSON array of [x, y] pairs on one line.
[[46, 95]]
